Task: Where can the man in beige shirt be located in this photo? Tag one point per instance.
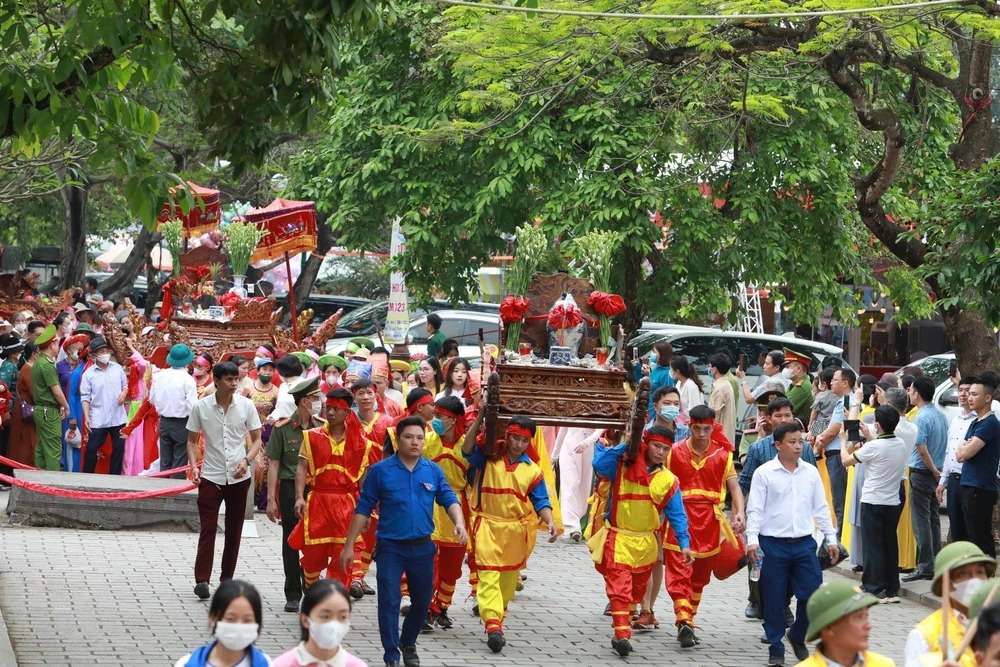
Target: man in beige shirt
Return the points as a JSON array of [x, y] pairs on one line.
[[723, 398]]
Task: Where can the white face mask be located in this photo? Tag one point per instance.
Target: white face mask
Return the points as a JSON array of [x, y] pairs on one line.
[[964, 591], [21, 327], [786, 373], [328, 635], [236, 636], [104, 357], [315, 407]]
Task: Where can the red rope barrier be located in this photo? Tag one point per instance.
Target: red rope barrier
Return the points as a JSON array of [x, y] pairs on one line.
[[96, 495], [11, 463], [163, 473]]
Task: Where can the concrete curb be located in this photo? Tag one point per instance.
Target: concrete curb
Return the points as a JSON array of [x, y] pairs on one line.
[[925, 598]]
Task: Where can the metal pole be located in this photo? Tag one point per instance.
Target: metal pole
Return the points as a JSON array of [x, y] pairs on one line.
[[291, 299]]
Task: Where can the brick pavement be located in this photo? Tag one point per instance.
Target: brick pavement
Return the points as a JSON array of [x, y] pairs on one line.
[[76, 597]]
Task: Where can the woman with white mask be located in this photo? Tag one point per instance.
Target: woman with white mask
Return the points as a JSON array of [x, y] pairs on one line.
[[325, 618], [236, 618]]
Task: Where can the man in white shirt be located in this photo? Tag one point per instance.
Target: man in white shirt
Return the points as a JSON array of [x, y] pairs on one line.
[[881, 502], [224, 419], [951, 471], [787, 502], [290, 369], [103, 389], [173, 395]]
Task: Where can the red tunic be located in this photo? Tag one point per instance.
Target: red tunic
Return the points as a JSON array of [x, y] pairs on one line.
[[703, 487], [335, 470]]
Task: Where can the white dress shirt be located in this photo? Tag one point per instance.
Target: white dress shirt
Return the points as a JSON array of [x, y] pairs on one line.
[[284, 404], [225, 436], [787, 503], [173, 393], [956, 436]]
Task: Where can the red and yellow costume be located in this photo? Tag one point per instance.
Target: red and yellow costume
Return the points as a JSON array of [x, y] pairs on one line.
[[715, 547], [505, 497], [335, 470], [375, 431], [447, 453], [625, 544]]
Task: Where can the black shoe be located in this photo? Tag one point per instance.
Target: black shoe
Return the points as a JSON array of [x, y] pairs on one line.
[[764, 639], [394, 663], [443, 621], [410, 657], [789, 617], [685, 635], [801, 650], [202, 591], [753, 610], [496, 641], [428, 626], [776, 660], [366, 588], [357, 592], [917, 576], [622, 646], [292, 605], [475, 610]]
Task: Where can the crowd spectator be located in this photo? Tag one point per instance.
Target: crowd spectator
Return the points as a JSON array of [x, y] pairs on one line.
[[237, 617], [951, 472], [22, 433], [828, 442], [173, 395], [435, 337], [103, 391], [50, 402], [980, 455], [723, 397], [687, 382]]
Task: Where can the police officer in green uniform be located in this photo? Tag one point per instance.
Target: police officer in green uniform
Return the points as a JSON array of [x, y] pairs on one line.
[[50, 402], [283, 457]]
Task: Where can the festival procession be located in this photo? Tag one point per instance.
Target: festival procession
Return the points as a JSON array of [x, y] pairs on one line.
[[529, 333]]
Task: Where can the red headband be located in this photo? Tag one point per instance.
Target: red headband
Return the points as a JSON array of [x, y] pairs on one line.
[[438, 410], [423, 400], [658, 437], [703, 420], [517, 429], [337, 403]]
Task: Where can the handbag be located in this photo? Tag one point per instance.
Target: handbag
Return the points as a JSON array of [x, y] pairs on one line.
[[27, 410]]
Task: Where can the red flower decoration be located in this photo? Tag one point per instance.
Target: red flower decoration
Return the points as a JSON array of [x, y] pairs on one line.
[[606, 304], [565, 317], [230, 300], [197, 273], [513, 309]]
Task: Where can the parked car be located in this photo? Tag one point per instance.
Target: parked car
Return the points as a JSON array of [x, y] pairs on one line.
[[935, 367], [325, 305], [369, 319]]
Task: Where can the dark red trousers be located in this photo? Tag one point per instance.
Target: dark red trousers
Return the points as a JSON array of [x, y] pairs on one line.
[[210, 499]]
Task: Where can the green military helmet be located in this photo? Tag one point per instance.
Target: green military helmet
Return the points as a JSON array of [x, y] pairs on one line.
[[831, 602], [956, 555], [978, 600], [324, 361], [304, 358]]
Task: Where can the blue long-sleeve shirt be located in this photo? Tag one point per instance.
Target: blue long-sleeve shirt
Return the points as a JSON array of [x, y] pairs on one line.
[[539, 495], [606, 461], [760, 453], [405, 498]]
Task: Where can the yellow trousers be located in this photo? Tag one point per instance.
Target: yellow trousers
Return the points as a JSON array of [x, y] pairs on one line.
[[494, 592]]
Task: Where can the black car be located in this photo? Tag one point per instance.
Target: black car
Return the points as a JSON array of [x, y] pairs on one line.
[[369, 319], [325, 305]]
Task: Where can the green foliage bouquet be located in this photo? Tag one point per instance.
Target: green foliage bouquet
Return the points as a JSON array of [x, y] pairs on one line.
[[532, 245], [241, 240], [592, 254], [173, 231]]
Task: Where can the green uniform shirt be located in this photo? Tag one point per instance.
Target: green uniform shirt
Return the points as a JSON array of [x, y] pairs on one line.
[[802, 400], [43, 376], [284, 445], [434, 343]]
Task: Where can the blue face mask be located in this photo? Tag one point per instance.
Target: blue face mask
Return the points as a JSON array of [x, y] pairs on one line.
[[670, 412], [438, 426]]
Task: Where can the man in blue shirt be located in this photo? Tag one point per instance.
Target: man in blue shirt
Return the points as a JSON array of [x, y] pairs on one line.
[[980, 455], [779, 411], [925, 463], [827, 444], [404, 487]]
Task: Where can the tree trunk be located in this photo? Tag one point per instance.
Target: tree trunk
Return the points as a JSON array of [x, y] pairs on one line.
[[972, 339], [324, 242], [74, 259], [124, 277], [635, 312]]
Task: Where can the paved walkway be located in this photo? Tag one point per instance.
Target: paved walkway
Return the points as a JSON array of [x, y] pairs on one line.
[[77, 597]]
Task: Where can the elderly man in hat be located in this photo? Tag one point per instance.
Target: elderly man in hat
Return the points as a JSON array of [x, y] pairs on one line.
[[838, 617], [283, 455], [103, 390], [173, 394], [51, 406]]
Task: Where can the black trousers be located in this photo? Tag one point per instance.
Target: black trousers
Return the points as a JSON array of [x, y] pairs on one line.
[[880, 549], [289, 556], [956, 519], [977, 505], [96, 441]]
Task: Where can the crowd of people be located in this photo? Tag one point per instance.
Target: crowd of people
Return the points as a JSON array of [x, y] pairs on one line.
[[356, 450]]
